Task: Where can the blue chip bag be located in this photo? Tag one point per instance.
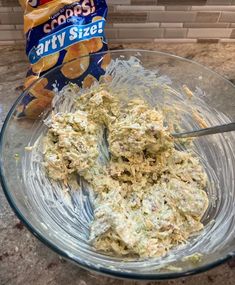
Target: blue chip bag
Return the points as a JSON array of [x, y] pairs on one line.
[[62, 32]]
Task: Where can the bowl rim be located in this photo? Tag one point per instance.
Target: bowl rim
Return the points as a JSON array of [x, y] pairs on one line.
[[78, 261]]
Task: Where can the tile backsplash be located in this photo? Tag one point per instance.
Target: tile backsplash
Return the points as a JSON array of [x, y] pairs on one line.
[[146, 20]]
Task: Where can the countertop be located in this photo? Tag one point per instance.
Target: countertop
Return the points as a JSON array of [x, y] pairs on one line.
[[23, 259]]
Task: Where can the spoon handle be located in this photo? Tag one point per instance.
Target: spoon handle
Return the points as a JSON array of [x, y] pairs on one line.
[[207, 131]]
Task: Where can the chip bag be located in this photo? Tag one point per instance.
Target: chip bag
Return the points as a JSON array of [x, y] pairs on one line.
[[62, 32]]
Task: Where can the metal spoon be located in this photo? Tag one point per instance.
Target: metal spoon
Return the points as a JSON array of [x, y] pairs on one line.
[[206, 131]]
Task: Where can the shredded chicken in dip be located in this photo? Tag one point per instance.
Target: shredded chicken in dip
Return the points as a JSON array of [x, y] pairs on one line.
[[150, 196]]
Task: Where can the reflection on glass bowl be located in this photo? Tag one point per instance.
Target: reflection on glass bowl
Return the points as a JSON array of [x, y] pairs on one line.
[[61, 220]]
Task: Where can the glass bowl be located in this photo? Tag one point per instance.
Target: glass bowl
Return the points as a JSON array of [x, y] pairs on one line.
[[61, 221]]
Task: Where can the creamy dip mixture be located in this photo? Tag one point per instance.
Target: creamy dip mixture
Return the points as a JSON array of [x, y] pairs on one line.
[[150, 196]]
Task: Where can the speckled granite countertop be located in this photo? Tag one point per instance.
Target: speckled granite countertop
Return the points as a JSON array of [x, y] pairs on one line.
[[23, 259]]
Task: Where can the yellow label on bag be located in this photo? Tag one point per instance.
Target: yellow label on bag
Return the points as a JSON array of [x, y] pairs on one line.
[[58, 31]]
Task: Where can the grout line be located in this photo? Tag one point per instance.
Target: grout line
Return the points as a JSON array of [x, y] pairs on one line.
[[220, 15], [179, 40]]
